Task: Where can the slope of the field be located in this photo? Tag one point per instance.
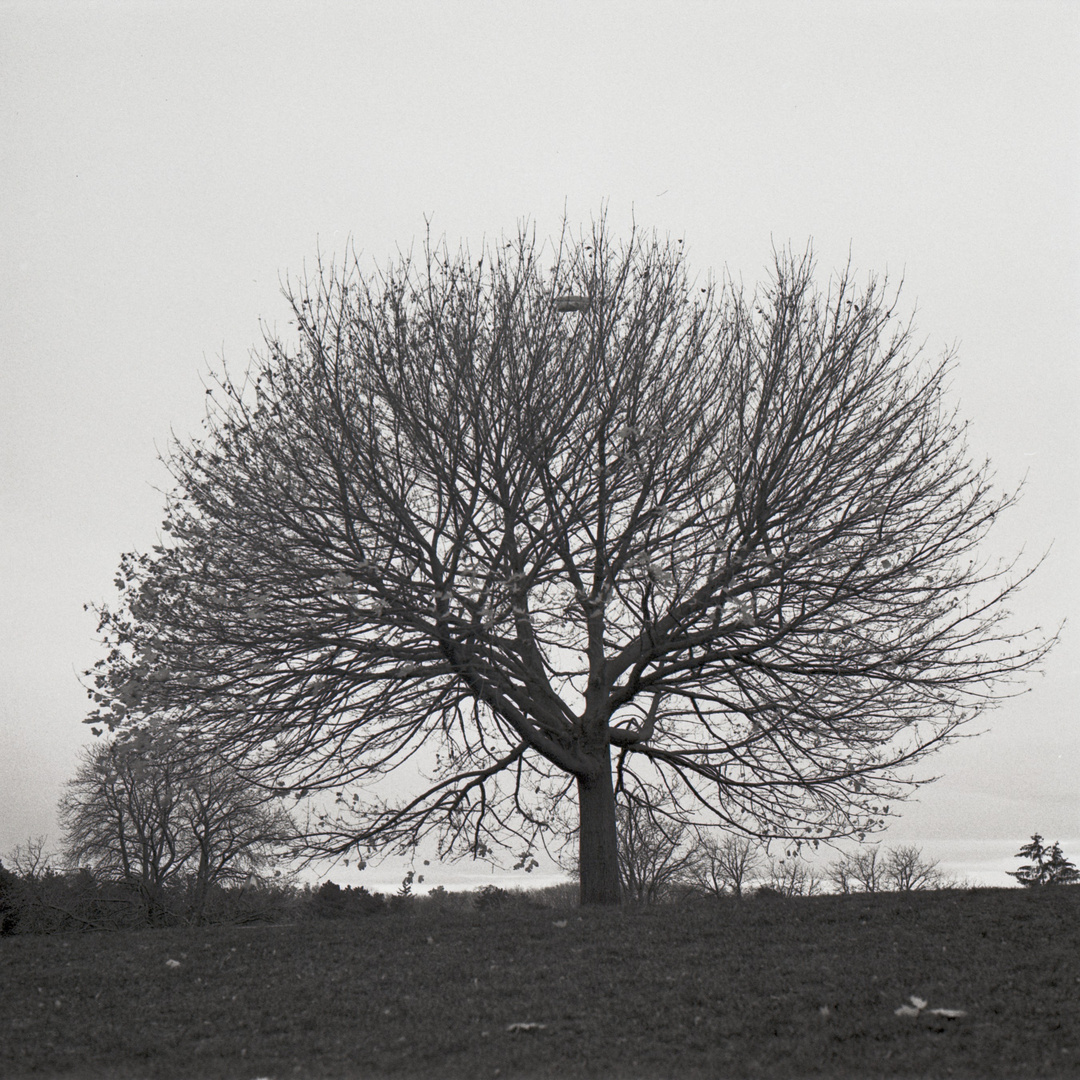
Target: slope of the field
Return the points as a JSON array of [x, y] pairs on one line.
[[751, 988]]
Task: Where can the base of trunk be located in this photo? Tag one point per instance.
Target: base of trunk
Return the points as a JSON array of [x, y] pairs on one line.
[[598, 852]]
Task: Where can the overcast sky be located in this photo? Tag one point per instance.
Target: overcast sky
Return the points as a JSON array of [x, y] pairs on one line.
[[164, 166]]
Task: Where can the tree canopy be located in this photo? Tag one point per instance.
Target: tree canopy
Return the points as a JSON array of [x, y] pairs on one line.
[[507, 525]]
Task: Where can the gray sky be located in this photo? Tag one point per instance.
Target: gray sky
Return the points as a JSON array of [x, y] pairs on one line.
[[162, 167]]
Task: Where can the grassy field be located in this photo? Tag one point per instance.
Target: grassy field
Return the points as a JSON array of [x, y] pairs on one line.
[[753, 988]]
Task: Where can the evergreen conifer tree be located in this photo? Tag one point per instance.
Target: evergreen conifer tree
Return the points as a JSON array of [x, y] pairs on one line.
[[1048, 865]]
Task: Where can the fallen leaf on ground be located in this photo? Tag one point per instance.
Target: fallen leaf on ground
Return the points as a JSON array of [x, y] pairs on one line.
[[172, 963], [514, 1028]]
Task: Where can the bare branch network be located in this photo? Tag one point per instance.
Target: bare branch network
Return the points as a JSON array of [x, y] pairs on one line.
[[729, 544]]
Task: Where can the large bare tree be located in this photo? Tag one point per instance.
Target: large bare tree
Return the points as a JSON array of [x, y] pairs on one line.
[[512, 524]]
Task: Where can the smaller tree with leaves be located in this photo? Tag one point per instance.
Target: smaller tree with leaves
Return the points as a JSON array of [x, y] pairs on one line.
[[155, 815], [1048, 865]]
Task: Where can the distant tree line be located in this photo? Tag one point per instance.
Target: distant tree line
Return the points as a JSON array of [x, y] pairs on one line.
[[661, 857], [156, 833], [37, 897], [40, 895]]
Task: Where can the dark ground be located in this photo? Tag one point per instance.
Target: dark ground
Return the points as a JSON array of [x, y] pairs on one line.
[[752, 988]]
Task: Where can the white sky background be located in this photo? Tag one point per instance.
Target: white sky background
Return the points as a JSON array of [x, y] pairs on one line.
[[162, 167]]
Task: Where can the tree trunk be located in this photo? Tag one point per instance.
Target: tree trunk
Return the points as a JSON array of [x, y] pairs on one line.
[[598, 851]]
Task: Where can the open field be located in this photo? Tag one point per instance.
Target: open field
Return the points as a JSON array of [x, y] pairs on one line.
[[753, 988]]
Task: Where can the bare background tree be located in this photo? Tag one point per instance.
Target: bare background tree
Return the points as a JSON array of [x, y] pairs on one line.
[[726, 865], [790, 876], [860, 871], [521, 520], [656, 851], [898, 869], [906, 871], [156, 818]]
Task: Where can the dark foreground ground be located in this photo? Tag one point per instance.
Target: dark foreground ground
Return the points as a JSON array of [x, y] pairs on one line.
[[753, 988]]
